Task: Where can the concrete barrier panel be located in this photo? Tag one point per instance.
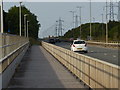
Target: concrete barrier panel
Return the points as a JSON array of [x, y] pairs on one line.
[[94, 72], [12, 49], [9, 72]]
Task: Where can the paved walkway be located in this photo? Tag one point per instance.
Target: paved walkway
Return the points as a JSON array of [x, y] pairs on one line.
[[39, 69]]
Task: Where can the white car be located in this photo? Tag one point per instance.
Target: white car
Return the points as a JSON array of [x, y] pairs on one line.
[[79, 45]]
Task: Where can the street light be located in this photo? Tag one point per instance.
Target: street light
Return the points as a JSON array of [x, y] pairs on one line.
[[94, 24], [102, 25], [20, 26], [27, 29], [2, 16], [90, 22], [79, 7], [25, 24], [106, 24]]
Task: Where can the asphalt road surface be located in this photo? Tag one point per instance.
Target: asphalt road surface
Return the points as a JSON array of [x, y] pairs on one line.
[[102, 53]]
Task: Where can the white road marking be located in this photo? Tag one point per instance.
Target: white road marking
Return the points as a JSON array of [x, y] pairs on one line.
[[114, 56], [105, 54], [92, 51]]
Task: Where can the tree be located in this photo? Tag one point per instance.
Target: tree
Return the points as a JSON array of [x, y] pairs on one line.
[[12, 21], [98, 31]]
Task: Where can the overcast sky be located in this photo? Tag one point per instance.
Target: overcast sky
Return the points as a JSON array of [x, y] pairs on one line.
[[49, 12]]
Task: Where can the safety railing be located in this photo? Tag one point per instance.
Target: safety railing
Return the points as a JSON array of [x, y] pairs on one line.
[[10, 47], [103, 44], [110, 44], [93, 72]]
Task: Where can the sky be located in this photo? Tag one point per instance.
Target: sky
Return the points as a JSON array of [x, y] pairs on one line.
[[49, 12]]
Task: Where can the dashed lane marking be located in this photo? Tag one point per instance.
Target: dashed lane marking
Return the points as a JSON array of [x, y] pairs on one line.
[[105, 54], [114, 56]]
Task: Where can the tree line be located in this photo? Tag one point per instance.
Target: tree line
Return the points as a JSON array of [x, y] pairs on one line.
[[98, 31], [11, 21]]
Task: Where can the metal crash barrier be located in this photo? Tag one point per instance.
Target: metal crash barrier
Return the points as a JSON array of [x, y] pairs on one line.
[[103, 44], [93, 72], [12, 49]]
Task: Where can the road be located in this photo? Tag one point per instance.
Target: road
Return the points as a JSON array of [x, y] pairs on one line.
[[105, 54]]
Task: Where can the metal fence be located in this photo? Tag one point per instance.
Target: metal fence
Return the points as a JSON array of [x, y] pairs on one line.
[[10, 48], [109, 45], [93, 72]]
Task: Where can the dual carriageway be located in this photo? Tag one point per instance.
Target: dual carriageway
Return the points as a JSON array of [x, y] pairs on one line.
[[103, 53], [55, 66]]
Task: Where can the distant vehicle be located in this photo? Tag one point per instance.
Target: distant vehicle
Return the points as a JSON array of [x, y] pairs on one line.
[[71, 39], [57, 40], [79, 45], [52, 40]]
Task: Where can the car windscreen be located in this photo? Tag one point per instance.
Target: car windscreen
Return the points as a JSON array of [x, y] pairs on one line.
[[79, 42]]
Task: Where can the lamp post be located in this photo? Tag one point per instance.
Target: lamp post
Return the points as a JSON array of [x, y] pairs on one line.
[[102, 25], [25, 24], [90, 22], [2, 16], [106, 24], [20, 21], [94, 34], [27, 29]]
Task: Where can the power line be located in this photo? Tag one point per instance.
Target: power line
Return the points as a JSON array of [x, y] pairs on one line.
[[47, 31]]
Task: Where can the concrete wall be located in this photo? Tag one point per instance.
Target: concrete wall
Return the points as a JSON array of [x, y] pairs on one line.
[[8, 73], [12, 50], [10, 70], [93, 72]]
